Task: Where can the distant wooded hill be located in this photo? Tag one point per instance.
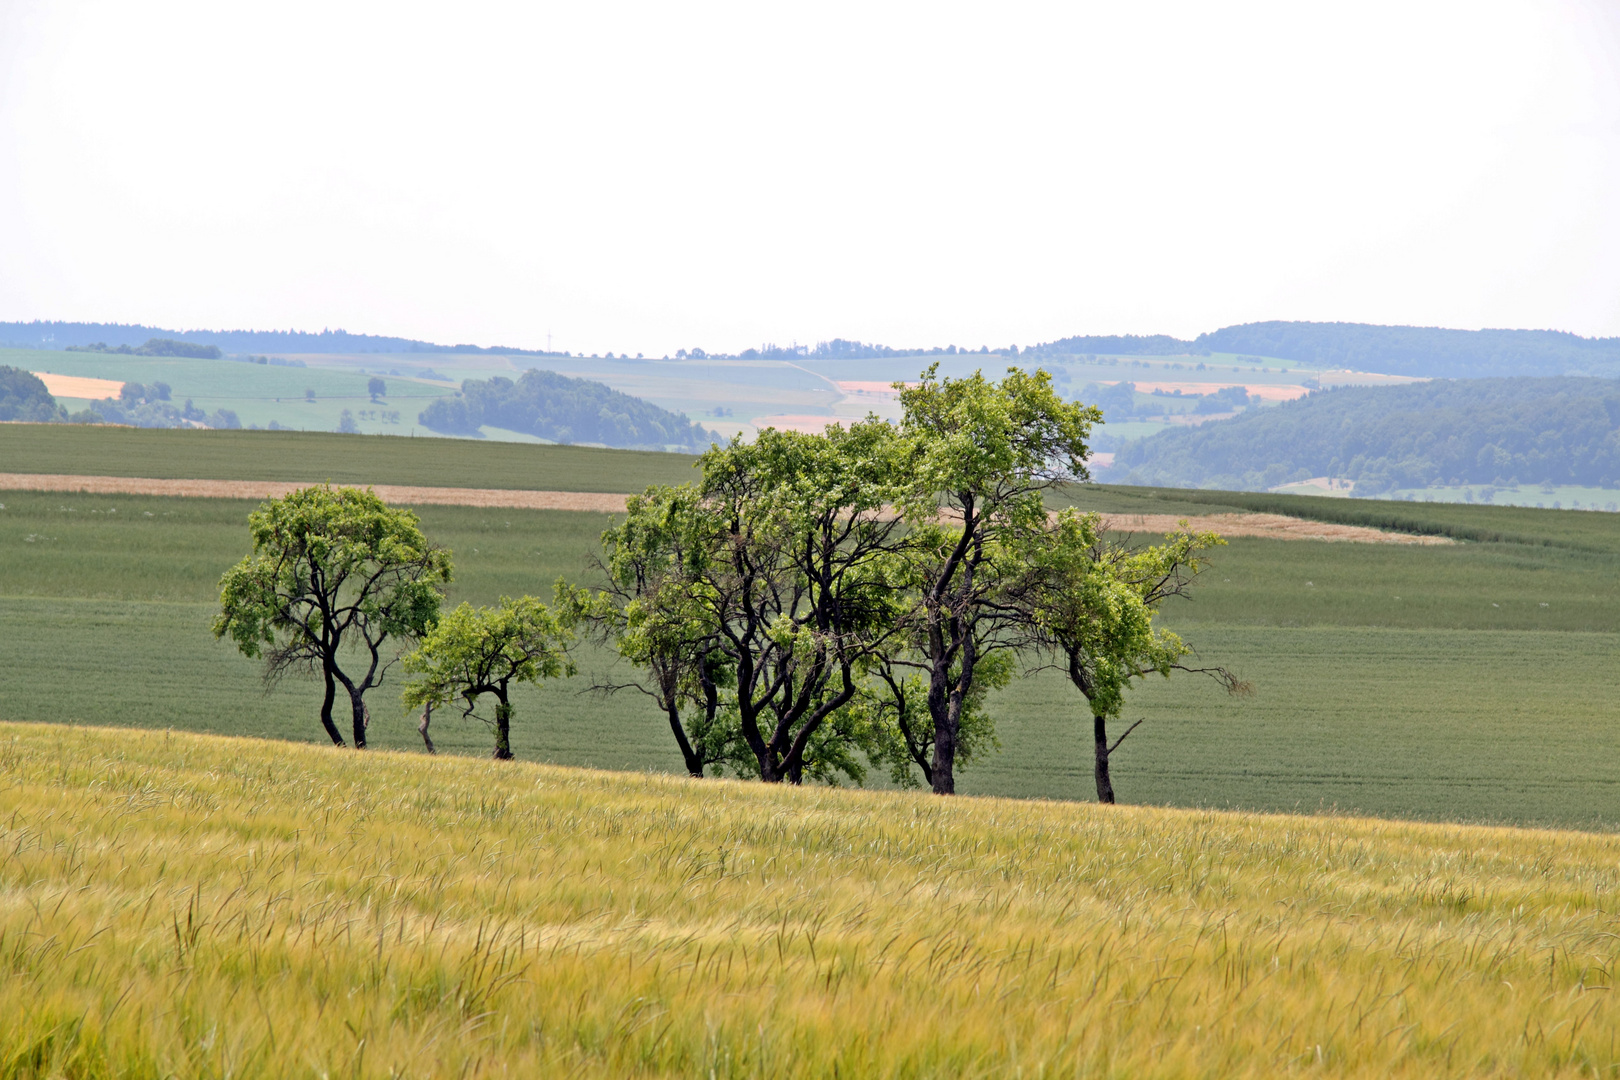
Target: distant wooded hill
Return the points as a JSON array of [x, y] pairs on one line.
[[112, 336], [1472, 431], [1427, 352], [556, 407]]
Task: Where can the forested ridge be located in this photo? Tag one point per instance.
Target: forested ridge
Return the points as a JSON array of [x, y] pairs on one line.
[[565, 410], [1427, 351], [1561, 430], [1423, 351]]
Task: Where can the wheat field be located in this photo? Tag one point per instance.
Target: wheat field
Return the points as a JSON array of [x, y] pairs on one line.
[[195, 906]]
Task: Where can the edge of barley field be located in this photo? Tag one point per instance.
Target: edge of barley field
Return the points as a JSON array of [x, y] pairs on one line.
[[185, 905]]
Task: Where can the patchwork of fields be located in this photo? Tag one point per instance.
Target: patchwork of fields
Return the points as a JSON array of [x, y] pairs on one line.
[[1468, 681]]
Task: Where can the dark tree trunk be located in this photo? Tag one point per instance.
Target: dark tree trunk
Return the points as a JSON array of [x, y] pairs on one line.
[[1105, 786], [358, 718], [503, 730], [422, 728], [693, 765], [943, 768], [326, 709]]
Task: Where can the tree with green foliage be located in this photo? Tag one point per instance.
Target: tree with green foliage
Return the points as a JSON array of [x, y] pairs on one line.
[[376, 387], [752, 597], [23, 396], [334, 572], [1090, 602], [476, 651], [977, 458], [653, 612]]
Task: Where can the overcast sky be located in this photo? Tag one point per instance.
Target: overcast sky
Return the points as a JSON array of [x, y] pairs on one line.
[[646, 177]]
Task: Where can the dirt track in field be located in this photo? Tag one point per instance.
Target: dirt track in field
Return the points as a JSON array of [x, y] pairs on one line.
[[1272, 526], [270, 489]]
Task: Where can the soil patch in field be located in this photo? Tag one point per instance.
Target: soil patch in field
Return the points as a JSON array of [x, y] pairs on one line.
[[1273, 526]]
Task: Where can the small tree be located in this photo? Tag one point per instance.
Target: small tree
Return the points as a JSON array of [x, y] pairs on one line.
[[655, 614], [332, 569], [478, 651], [376, 388], [1092, 602]]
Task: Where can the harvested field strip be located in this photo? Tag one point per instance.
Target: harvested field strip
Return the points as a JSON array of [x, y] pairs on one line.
[[79, 386], [1275, 526], [594, 501]]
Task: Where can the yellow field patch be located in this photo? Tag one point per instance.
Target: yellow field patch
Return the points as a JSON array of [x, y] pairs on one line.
[[79, 386]]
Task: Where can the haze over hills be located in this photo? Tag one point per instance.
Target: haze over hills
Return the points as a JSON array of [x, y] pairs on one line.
[[1429, 352]]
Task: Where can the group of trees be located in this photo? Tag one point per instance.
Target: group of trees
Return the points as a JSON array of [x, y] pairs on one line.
[[1560, 430], [149, 405], [155, 347], [566, 410], [813, 605]]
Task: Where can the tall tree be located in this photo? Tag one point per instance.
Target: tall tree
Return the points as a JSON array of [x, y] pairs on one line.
[[332, 570], [978, 457], [476, 651], [751, 598]]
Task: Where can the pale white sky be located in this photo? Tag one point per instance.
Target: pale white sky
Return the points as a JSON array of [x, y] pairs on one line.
[[649, 176]]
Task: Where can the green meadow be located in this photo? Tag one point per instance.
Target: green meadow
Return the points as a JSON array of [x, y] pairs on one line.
[[1468, 681]]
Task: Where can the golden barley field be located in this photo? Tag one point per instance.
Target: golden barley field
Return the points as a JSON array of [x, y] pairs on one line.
[[194, 906]]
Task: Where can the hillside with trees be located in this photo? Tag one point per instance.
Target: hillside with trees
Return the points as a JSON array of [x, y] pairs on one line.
[[565, 410], [23, 397], [1473, 431], [1422, 351], [1425, 351]]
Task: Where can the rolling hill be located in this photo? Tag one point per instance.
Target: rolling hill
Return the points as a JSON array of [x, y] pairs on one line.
[[1503, 432]]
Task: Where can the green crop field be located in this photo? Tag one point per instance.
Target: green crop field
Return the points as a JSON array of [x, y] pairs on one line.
[[346, 459], [184, 906], [1469, 681]]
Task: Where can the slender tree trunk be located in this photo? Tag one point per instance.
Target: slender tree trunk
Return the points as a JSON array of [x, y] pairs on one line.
[[693, 765], [326, 708], [422, 728], [358, 718], [503, 730], [1105, 786]]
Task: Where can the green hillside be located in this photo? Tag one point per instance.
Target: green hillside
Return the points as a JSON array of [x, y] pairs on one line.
[[344, 459], [1503, 433]]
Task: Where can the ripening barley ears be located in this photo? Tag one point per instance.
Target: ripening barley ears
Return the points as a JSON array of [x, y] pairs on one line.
[[192, 906]]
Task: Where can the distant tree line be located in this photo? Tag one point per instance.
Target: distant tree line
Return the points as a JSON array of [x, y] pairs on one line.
[[566, 410], [41, 334], [154, 347], [149, 405], [1117, 345], [1559, 430], [812, 607]]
